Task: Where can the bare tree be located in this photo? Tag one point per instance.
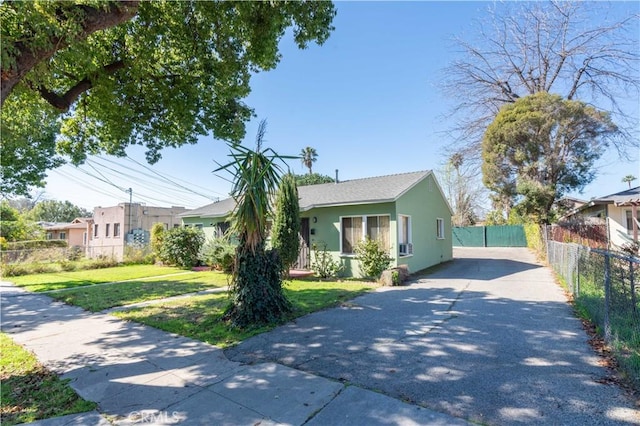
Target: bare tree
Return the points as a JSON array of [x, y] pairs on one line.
[[465, 194], [553, 47]]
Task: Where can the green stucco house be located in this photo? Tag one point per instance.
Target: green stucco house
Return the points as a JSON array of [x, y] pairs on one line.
[[407, 212]]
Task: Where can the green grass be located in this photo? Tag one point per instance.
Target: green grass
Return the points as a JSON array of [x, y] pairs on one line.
[[98, 298], [200, 317], [29, 392], [61, 280]]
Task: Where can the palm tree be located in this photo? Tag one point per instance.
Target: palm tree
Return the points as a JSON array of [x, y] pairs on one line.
[[628, 179], [308, 156], [256, 283]]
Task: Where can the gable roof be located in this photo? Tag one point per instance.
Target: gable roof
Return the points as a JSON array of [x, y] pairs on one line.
[[219, 208], [624, 198], [380, 189]]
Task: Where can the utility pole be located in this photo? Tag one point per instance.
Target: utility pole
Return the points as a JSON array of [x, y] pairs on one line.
[[130, 191]]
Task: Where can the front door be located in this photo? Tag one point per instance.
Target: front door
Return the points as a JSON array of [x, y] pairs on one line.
[[304, 257]]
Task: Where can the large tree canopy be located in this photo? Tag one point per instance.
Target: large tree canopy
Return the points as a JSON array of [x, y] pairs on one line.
[[99, 75], [57, 211], [541, 147], [579, 50]]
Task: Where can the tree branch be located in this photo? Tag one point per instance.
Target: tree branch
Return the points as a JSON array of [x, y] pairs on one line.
[[94, 19], [63, 102]]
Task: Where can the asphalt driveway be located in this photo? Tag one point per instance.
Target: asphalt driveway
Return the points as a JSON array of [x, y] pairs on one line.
[[489, 338]]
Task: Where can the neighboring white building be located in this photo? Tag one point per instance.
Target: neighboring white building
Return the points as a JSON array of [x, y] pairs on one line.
[[619, 211], [114, 227]]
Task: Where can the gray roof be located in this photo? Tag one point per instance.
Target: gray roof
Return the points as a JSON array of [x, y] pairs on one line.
[[218, 209], [630, 196], [380, 189]]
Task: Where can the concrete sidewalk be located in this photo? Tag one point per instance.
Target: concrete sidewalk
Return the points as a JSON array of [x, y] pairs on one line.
[[141, 375]]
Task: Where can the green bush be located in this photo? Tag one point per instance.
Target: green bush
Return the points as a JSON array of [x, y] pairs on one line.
[[157, 237], [138, 254], [218, 253], [324, 264], [373, 257], [181, 247], [35, 244]]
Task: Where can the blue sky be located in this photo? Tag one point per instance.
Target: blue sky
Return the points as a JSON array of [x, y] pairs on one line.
[[367, 100]]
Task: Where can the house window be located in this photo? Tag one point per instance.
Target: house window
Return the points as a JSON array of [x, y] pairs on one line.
[[197, 225], [107, 228], [116, 229], [629, 219], [95, 231], [62, 236], [356, 228], [177, 225], [49, 235], [405, 247], [440, 228]]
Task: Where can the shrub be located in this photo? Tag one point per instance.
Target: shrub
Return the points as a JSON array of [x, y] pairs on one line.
[[285, 234], [218, 253], [324, 265], [67, 265], [373, 257], [157, 237], [138, 254], [181, 246]]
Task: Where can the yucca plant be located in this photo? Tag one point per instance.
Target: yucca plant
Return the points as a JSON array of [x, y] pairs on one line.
[[256, 285]]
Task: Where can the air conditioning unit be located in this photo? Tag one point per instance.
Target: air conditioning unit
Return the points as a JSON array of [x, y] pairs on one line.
[[406, 249]]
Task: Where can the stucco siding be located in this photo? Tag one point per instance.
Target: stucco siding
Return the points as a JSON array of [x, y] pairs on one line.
[[425, 204], [327, 230]]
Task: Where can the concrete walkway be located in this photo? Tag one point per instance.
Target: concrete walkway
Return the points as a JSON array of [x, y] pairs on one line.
[[141, 375], [489, 338]]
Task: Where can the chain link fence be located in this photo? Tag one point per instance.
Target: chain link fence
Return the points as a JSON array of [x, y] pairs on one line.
[[604, 286]]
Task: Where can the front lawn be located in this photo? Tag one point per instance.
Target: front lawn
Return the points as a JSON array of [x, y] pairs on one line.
[[61, 280], [199, 317], [30, 392], [99, 297]]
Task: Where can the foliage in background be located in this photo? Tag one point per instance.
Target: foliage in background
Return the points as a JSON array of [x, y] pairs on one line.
[[373, 257], [98, 76], [324, 265], [138, 254], [28, 130], [157, 239], [313, 179], [56, 211], [219, 253], [285, 233], [308, 156], [181, 246], [14, 226], [463, 194], [541, 147], [535, 241], [256, 288], [579, 50]]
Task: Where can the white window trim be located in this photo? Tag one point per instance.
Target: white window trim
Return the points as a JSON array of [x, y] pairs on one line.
[[624, 219], [364, 229], [440, 228], [409, 242]]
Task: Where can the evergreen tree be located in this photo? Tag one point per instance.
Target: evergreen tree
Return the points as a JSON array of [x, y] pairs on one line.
[[285, 234]]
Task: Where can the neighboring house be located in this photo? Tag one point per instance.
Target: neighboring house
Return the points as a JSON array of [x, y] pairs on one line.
[[115, 227], [407, 212], [620, 213], [75, 232]]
